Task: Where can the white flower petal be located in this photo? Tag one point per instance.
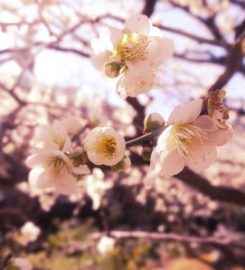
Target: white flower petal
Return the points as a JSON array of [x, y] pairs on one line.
[[38, 159], [159, 50], [163, 138], [186, 113], [201, 156], [39, 178], [171, 163], [205, 123], [131, 85], [221, 136], [99, 59], [115, 35], [66, 184], [139, 24], [82, 169]]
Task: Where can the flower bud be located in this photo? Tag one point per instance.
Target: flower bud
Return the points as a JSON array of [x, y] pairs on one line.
[[153, 121], [122, 165], [146, 153], [78, 158], [112, 69]]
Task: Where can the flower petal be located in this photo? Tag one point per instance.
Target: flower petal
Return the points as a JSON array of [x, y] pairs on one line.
[[171, 163], [132, 85], [82, 169], [38, 159], [205, 123], [99, 59], [221, 136], [201, 156], [139, 24], [159, 50], [186, 113], [66, 184]]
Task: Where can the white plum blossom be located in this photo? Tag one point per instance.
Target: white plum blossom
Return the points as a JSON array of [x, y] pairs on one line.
[[106, 245], [53, 169], [190, 139], [29, 232], [133, 53], [19, 264], [52, 136], [104, 146]]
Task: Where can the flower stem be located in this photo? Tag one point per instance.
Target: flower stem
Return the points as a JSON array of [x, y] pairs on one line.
[[146, 137]]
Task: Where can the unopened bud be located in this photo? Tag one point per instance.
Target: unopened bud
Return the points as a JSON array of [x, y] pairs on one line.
[[112, 69], [146, 153], [78, 158], [153, 121], [122, 165]]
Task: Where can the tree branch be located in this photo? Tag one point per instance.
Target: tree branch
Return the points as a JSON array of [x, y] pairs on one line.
[[217, 193]]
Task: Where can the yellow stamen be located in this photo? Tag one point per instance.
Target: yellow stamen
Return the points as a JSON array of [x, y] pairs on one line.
[[106, 145], [182, 136], [133, 47]]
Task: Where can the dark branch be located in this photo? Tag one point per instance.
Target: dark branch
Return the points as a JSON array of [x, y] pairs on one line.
[[218, 193]]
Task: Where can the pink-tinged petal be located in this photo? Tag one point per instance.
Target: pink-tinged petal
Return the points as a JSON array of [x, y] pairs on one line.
[[173, 115], [221, 136], [163, 139], [99, 59], [34, 176], [201, 156], [159, 50], [67, 145], [38, 159], [171, 163], [66, 185], [116, 36], [138, 24], [205, 123], [187, 113], [139, 68], [82, 170], [131, 85], [39, 178]]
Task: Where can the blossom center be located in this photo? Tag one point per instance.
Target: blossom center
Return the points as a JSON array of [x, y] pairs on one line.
[[106, 145], [183, 136], [56, 166], [133, 47]]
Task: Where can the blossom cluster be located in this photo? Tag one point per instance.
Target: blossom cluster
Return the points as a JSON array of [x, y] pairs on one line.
[[65, 151]]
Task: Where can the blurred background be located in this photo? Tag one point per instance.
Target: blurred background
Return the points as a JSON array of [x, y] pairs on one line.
[[119, 220]]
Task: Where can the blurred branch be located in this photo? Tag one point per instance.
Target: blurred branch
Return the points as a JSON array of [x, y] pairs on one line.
[[218, 193], [149, 7], [233, 63], [228, 241]]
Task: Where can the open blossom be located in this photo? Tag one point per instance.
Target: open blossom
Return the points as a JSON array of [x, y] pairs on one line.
[[53, 136], [190, 139], [51, 164], [53, 169], [104, 146], [135, 53]]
